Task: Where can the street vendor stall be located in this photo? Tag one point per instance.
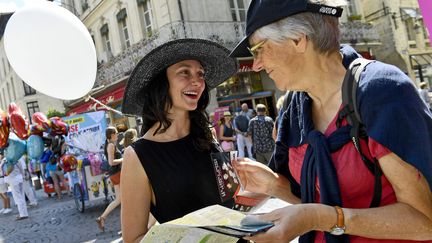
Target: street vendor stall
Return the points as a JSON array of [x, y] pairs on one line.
[[85, 141]]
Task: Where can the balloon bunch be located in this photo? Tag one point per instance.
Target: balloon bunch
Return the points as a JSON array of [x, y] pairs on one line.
[[68, 162], [16, 122]]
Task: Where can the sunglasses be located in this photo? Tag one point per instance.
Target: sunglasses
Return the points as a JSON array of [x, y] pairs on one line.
[[254, 49]]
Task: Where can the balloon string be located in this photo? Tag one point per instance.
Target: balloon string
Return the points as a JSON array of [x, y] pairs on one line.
[[105, 106], [84, 150]]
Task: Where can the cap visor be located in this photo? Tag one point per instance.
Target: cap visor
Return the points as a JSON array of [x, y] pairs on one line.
[[241, 49]]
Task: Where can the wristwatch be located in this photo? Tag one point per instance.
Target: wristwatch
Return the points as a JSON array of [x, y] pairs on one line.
[[339, 227]]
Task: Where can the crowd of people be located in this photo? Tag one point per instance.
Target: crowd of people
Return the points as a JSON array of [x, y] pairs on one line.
[[16, 178], [250, 132]]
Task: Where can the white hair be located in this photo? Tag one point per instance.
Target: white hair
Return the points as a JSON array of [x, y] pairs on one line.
[[322, 30]]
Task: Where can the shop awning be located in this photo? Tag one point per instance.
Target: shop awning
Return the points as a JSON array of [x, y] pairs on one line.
[[421, 59], [410, 13], [106, 98], [242, 96], [245, 67]]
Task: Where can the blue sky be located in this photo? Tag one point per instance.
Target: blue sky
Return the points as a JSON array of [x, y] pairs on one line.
[[12, 5]]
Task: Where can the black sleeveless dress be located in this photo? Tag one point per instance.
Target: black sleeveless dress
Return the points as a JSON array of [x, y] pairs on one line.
[[117, 155], [182, 178]]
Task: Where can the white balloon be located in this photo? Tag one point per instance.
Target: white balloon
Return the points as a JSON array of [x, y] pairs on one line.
[[51, 50]]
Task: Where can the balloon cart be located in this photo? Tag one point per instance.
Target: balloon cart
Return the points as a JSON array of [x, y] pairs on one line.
[[85, 140], [90, 184]]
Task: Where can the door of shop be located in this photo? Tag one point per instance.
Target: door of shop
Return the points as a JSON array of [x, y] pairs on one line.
[[266, 98], [268, 101]]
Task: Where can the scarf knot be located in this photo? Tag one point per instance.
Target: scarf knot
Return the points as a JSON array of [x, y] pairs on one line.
[[318, 164]]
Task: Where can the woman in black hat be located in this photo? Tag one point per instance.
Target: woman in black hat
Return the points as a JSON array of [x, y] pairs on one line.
[[168, 171], [368, 182]]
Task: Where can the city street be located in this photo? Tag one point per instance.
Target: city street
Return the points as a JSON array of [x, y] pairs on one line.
[[60, 221]]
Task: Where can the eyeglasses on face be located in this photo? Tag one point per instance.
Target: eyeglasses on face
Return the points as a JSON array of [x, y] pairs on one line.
[[254, 49]]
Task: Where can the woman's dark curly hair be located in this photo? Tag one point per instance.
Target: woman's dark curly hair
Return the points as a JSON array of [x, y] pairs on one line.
[[157, 102]]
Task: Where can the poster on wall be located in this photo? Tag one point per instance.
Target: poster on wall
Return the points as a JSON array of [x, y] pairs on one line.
[[86, 131]]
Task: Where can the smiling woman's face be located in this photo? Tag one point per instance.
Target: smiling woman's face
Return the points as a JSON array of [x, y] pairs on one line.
[[186, 84]]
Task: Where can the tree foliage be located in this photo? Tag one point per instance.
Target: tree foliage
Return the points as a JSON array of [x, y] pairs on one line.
[[54, 112]]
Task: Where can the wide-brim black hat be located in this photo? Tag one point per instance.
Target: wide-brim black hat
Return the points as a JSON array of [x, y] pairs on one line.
[[218, 67]]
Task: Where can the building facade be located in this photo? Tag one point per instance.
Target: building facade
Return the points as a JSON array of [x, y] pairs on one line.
[[13, 89], [124, 31], [400, 27]]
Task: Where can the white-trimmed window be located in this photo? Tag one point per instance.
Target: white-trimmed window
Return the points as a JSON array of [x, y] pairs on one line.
[[13, 89], [4, 98], [106, 40], [4, 68], [84, 5], [238, 9], [32, 107], [410, 16], [352, 7], [123, 29], [28, 90], [146, 17], [9, 93]]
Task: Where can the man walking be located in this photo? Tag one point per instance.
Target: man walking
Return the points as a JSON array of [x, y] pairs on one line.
[[261, 127], [241, 125], [15, 180]]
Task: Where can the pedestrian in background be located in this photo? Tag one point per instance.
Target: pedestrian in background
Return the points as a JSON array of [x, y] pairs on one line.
[[121, 129], [297, 43], [424, 94], [27, 187], [212, 126], [3, 187], [46, 155], [279, 107], [129, 137], [261, 130], [241, 125], [114, 157], [15, 180], [226, 132], [56, 173]]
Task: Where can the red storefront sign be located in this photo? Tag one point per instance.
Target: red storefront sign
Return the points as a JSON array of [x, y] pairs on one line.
[[245, 67], [367, 55], [106, 99]]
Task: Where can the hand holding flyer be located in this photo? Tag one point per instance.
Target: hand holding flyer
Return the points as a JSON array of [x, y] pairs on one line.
[[214, 224], [226, 177], [233, 157]]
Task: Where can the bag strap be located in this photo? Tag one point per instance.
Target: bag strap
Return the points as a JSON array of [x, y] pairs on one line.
[[351, 113]]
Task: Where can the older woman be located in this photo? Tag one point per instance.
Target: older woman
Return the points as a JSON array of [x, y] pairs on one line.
[[297, 43]]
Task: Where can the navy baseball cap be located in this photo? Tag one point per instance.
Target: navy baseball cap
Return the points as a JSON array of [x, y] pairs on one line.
[[263, 12]]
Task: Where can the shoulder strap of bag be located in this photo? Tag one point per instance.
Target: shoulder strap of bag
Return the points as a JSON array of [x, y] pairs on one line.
[[352, 114]]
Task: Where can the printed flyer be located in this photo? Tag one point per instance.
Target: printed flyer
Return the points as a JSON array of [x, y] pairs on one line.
[[211, 224], [226, 176]]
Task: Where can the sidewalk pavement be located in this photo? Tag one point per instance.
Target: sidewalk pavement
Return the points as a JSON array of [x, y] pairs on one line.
[[60, 221]]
